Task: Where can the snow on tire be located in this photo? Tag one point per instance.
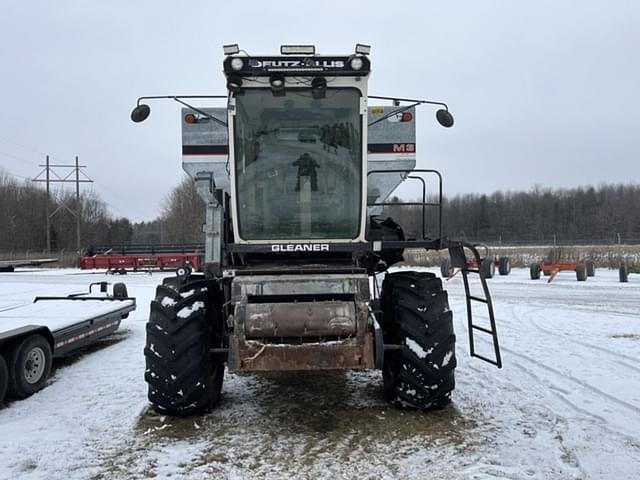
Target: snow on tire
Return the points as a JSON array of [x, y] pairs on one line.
[[417, 316], [182, 327]]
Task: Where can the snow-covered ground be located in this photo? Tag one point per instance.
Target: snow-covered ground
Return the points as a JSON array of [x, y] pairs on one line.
[[566, 404]]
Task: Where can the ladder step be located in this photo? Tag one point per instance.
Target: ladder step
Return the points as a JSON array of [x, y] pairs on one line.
[[478, 299], [482, 329], [489, 360], [471, 270]]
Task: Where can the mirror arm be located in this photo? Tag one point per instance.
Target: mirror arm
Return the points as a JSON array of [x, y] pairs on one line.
[[195, 109], [429, 102], [394, 112]]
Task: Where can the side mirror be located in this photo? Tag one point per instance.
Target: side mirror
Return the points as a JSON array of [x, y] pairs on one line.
[[444, 118], [140, 113]]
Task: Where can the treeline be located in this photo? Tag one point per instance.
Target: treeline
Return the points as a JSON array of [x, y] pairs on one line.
[[607, 213], [23, 208], [23, 218], [180, 221], [603, 214]]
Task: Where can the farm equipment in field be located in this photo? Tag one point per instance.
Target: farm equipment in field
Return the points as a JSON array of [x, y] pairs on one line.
[[488, 265], [295, 171], [143, 258], [583, 269]]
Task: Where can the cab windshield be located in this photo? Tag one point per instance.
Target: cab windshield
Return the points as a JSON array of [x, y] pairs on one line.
[[298, 164]]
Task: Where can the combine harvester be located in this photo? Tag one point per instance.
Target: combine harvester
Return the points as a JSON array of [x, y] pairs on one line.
[[32, 335], [295, 171]]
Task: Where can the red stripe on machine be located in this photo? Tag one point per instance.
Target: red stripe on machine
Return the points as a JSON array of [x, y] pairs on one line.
[[86, 334]]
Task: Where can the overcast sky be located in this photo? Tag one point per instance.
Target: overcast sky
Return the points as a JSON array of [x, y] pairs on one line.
[[543, 92]]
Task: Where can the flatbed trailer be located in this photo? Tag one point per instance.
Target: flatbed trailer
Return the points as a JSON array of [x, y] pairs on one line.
[[32, 335]]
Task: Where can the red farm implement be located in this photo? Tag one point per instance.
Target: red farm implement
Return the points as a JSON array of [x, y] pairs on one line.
[[137, 257], [583, 269], [488, 266]]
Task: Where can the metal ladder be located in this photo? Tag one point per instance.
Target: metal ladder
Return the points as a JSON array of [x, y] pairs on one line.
[[459, 260]]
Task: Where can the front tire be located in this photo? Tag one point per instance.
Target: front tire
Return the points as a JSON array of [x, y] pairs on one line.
[[416, 315], [185, 323], [29, 365]]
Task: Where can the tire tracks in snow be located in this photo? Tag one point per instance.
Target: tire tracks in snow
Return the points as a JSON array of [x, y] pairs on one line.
[[552, 420], [529, 314], [559, 392]]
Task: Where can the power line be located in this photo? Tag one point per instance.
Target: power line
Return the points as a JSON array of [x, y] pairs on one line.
[[27, 147], [8, 155], [4, 170], [35, 150]]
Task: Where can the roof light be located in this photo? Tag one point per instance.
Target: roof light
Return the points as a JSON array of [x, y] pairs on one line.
[[356, 63], [237, 63], [231, 49], [363, 49], [297, 50]]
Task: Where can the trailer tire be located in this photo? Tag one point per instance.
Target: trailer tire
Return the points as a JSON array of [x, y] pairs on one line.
[[591, 268], [4, 378], [487, 267], [624, 274], [29, 365], [581, 272], [446, 270], [184, 324], [504, 266], [534, 270], [416, 315]]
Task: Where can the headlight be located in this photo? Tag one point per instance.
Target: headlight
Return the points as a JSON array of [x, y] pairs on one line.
[[356, 63], [237, 64]]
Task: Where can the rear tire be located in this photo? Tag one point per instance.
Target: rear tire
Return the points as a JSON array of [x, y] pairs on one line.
[[29, 362], [624, 274], [417, 316], [4, 378], [488, 267], [184, 324], [534, 271], [591, 268], [581, 272], [504, 267]]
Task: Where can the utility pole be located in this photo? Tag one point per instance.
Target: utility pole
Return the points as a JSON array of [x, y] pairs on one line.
[[78, 206], [47, 211], [60, 176]]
